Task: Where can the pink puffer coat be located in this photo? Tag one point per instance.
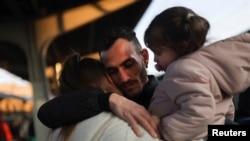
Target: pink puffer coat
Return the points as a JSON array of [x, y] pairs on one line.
[[197, 89]]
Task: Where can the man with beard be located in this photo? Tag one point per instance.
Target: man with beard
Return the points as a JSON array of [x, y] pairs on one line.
[[125, 61]]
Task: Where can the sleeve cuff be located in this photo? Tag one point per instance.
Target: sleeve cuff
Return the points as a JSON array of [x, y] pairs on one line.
[[104, 101]]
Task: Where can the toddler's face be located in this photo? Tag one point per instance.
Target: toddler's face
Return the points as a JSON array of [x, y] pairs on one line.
[[163, 56]]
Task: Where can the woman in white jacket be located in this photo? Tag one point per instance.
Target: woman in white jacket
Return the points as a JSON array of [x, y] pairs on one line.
[[79, 74]]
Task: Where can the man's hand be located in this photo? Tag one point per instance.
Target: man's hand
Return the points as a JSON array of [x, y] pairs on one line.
[[134, 114]]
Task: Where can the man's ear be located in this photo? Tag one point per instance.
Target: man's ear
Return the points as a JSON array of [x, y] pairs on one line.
[[145, 56]]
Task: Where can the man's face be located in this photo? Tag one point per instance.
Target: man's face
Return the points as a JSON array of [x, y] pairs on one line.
[[125, 67]]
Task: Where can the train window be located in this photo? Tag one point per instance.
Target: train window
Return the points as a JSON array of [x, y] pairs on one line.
[[16, 93]]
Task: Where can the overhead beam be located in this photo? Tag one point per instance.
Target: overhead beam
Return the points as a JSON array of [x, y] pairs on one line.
[[14, 7], [87, 13], [53, 25]]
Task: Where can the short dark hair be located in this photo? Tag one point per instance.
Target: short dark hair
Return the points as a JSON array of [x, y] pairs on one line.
[[119, 32]]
